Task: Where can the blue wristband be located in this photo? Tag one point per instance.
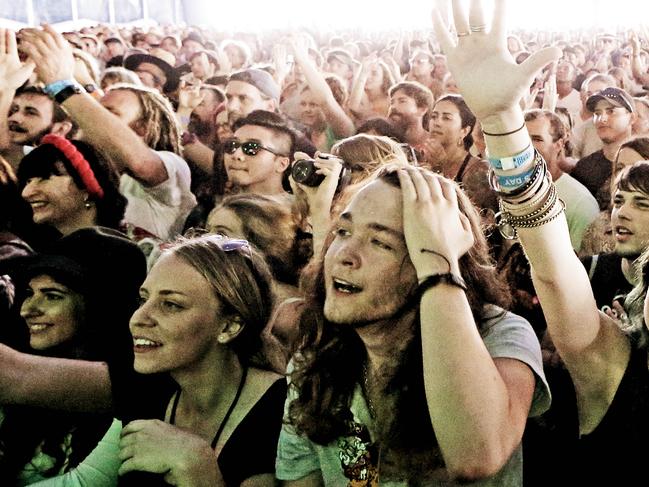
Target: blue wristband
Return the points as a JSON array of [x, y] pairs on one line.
[[516, 161], [53, 89], [513, 182]]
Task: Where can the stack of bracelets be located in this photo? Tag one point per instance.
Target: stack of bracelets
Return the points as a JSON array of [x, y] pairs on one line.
[[532, 202]]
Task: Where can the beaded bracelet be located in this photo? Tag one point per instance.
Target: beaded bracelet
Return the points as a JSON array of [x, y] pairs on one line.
[[546, 219], [538, 213]]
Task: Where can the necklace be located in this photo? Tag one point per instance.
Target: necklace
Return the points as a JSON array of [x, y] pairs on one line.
[[366, 391], [172, 417]]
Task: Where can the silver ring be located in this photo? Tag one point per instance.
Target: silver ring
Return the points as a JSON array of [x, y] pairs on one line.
[[478, 28], [462, 34]]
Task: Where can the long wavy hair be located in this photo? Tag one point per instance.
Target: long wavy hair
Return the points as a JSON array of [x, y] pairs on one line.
[[331, 357]]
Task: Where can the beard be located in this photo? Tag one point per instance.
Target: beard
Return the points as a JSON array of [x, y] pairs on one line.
[[200, 127], [24, 138]]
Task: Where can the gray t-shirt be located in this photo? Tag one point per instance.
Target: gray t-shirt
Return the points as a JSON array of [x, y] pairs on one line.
[[508, 336]]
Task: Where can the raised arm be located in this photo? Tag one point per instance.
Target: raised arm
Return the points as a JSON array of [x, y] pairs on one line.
[[340, 122], [68, 385], [592, 347], [13, 74], [54, 61], [478, 405]]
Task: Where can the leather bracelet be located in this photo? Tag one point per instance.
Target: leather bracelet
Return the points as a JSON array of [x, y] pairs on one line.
[[432, 281], [505, 133]]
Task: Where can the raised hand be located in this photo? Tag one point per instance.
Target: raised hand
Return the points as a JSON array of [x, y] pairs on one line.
[[50, 52], [13, 73], [490, 81], [190, 96], [550, 95], [437, 233]]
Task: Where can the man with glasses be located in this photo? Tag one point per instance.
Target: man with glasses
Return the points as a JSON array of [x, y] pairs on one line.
[[258, 155], [613, 115]]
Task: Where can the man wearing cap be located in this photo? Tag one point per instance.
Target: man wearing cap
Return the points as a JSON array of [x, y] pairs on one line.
[[613, 115], [203, 64], [584, 138], [113, 47], [341, 63], [248, 90], [192, 43], [155, 69]]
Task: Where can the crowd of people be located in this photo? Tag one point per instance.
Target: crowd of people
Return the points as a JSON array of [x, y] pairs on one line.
[[308, 258]]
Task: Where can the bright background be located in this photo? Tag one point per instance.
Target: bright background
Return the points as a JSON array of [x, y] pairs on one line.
[[363, 15]]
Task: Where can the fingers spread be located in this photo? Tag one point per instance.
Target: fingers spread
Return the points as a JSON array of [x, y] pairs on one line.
[[539, 60], [477, 18], [441, 29], [460, 17]]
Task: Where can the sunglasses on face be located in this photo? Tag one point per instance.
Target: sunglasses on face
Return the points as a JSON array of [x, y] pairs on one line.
[[249, 147]]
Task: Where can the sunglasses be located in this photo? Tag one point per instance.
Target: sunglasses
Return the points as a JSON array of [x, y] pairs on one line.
[[225, 243], [249, 147]]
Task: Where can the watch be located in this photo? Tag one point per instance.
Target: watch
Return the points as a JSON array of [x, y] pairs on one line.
[[67, 92], [90, 87]]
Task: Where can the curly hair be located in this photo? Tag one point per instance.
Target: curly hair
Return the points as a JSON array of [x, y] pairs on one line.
[[330, 358], [161, 129]]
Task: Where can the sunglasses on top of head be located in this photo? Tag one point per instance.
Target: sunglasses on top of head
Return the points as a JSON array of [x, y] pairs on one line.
[[249, 147]]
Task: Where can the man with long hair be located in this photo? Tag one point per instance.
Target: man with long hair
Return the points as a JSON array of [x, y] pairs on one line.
[[409, 368]]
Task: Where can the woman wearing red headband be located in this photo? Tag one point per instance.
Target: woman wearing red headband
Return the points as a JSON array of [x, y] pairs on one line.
[[70, 185]]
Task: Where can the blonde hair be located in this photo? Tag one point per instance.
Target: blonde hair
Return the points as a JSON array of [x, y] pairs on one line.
[[161, 129]]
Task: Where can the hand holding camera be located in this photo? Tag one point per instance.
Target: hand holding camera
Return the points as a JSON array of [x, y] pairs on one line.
[[317, 180]]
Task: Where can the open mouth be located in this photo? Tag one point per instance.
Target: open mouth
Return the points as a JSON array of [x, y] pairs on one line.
[[37, 327], [142, 343], [17, 129], [346, 287], [623, 231]]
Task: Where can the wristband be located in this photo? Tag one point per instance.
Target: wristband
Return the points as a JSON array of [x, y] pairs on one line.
[[515, 161], [432, 281], [512, 182], [53, 88]]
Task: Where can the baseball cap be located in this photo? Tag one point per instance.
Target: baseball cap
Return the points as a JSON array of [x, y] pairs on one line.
[[616, 96], [342, 56], [260, 79]]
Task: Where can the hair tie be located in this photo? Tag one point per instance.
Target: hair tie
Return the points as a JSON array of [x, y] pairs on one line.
[[79, 163]]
